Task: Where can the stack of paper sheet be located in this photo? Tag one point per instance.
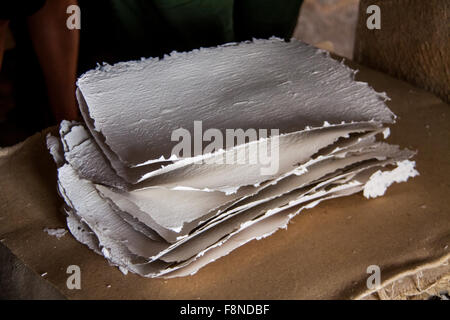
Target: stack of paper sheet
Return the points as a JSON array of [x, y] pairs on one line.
[[181, 160]]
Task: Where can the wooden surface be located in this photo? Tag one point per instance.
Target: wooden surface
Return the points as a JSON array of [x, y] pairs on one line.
[[324, 253]]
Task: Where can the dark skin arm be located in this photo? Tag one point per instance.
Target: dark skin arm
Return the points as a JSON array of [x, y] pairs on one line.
[[56, 47], [3, 27]]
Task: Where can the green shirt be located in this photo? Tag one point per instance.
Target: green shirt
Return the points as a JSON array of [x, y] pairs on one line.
[[117, 30], [188, 24]]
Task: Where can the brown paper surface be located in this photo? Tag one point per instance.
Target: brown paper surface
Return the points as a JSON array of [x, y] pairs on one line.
[[324, 253]]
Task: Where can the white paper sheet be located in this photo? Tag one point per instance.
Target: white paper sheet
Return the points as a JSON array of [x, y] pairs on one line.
[[146, 210]]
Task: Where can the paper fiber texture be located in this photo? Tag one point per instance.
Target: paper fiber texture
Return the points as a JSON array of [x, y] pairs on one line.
[[147, 210], [247, 85]]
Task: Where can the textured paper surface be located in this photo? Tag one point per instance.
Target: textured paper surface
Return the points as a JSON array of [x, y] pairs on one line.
[[250, 85], [152, 213]]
